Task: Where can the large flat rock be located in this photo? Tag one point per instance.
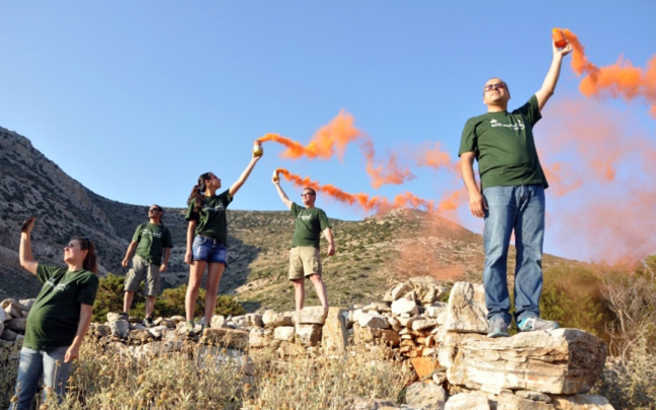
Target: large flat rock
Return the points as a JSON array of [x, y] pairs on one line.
[[466, 310], [561, 361]]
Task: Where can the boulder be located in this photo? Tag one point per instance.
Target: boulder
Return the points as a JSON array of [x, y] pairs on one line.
[[379, 307], [561, 361], [468, 401], [271, 318], [423, 324], [466, 309], [509, 401], [255, 320], [424, 366], [582, 402], [27, 303], [434, 310], [404, 306], [285, 333], [425, 394], [308, 334], [398, 291], [120, 328], [373, 319], [16, 324], [333, 337], [311, 315], [13, 309], [8, 335], [227, 338]]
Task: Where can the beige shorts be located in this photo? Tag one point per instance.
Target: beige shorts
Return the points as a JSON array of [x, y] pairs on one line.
[[142, 269], [304, 261]]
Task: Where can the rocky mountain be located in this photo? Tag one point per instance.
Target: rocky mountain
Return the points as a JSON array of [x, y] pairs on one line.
[[371, 253]]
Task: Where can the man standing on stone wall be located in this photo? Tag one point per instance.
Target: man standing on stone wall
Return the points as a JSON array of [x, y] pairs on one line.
[[304, 260], [511, 197], [151, 239]]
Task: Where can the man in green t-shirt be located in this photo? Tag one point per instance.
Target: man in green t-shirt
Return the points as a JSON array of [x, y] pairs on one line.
[[304, 260], [510, 198], [152, 240]]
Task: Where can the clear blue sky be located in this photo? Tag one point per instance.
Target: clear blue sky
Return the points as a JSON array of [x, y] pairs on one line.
[[136, 99]]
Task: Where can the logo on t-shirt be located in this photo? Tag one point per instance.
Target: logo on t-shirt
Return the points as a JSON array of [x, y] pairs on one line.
[[217, 208], [519, 125]]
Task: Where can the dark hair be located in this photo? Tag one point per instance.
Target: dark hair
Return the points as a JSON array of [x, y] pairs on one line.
[[196, 195], [89, 262], [159, 208], [310, 190]]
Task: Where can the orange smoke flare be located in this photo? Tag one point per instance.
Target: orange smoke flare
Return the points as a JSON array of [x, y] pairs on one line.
[[332, 137], [366, 202], [620, 79], [435, 158], [390, 173]]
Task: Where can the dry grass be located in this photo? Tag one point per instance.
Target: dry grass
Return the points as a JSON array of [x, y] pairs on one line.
[[102, 380]]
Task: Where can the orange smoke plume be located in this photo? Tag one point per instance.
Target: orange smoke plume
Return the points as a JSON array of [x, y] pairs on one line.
[[330, 139], [620, 79], [366, 202], [435, 158], [389, 173]]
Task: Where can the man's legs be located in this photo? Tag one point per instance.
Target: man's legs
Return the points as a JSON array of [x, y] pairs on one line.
[[320, 288], [128, 296], [150, 306], [529, 238], [299, 293], [30, 370], [499, 221], [153, 287], [55, 372]]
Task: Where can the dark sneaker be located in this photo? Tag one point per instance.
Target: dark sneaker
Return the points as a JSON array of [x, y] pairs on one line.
[[530, 324], [497, 327], [148, 322], [124, 316]]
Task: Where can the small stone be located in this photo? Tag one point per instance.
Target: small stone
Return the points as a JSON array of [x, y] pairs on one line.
[[424, 366], [271, 318], [308, 334], [423, 324], [120, 328], [312, 315], [374, 320], [425, 394], [285, 333], [218, 321]]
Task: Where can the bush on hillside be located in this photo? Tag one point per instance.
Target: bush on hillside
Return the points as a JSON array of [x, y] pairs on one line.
[[171, 302]]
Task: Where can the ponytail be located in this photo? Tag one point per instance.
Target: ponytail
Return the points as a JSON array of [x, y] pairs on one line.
[[89, 262], [196, 195]]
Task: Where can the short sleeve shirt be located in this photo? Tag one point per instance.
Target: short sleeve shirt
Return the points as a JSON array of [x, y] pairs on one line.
[[151, 239], [308, 225], [504, 146], [55, 314], [211, 217]]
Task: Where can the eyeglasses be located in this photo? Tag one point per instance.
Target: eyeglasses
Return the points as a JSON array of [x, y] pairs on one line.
[[70, 245], [155, 209], [495, 86], [307, 194]]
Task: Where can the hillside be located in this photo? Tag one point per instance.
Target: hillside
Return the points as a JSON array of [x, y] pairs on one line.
[[370, 254]]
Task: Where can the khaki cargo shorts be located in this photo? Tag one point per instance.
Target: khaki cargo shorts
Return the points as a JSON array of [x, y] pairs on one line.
[[142, 269], [304, 261]]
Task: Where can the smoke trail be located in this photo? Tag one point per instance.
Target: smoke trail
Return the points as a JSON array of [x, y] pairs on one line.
[[329, 140], [389, 173], [364, 201], [620, 80]]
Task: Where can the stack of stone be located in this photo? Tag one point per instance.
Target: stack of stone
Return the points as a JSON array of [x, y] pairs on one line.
[[13, 315], [409, 318]]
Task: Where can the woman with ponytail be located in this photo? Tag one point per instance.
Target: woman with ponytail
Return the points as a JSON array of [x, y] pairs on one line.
[[207, 232], [58, 319]]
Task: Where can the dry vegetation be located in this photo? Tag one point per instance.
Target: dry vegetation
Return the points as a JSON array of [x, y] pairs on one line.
[[193, 381]]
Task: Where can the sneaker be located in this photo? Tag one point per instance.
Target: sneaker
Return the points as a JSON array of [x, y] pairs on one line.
[[148, 322], [188, 327], [124, 316], [530, 324], [497, 327]]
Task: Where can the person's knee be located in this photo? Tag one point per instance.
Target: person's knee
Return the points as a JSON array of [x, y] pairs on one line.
[[316, 278]]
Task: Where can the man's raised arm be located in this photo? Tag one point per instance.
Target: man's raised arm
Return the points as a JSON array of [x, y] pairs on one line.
[[550, 80]]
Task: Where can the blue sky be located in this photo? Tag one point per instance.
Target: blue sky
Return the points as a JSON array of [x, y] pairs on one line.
[[136, 99]]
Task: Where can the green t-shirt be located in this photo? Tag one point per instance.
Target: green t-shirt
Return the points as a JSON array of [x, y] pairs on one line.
[[309, 224], [211, 217], [151, 239], [54, 316], [504, 146]]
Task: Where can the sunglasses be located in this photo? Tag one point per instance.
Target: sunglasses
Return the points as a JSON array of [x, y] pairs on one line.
[[70, 245], [307, 194], [495, 86], [155, 209]]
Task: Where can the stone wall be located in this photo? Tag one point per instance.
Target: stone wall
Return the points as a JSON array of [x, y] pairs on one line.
[[457, 366]]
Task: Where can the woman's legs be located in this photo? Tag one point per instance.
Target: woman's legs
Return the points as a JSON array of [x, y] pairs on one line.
[[55, 372], [196, 270], [30, 370], [214, 272]]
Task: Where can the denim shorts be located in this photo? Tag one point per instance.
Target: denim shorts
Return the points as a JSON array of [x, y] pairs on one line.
[[209, 250]]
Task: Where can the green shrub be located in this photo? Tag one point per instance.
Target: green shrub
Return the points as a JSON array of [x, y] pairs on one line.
[[171, 302]]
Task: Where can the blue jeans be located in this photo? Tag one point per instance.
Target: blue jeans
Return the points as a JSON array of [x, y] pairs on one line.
[[207, 249], [519, 208], [35, 364]]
